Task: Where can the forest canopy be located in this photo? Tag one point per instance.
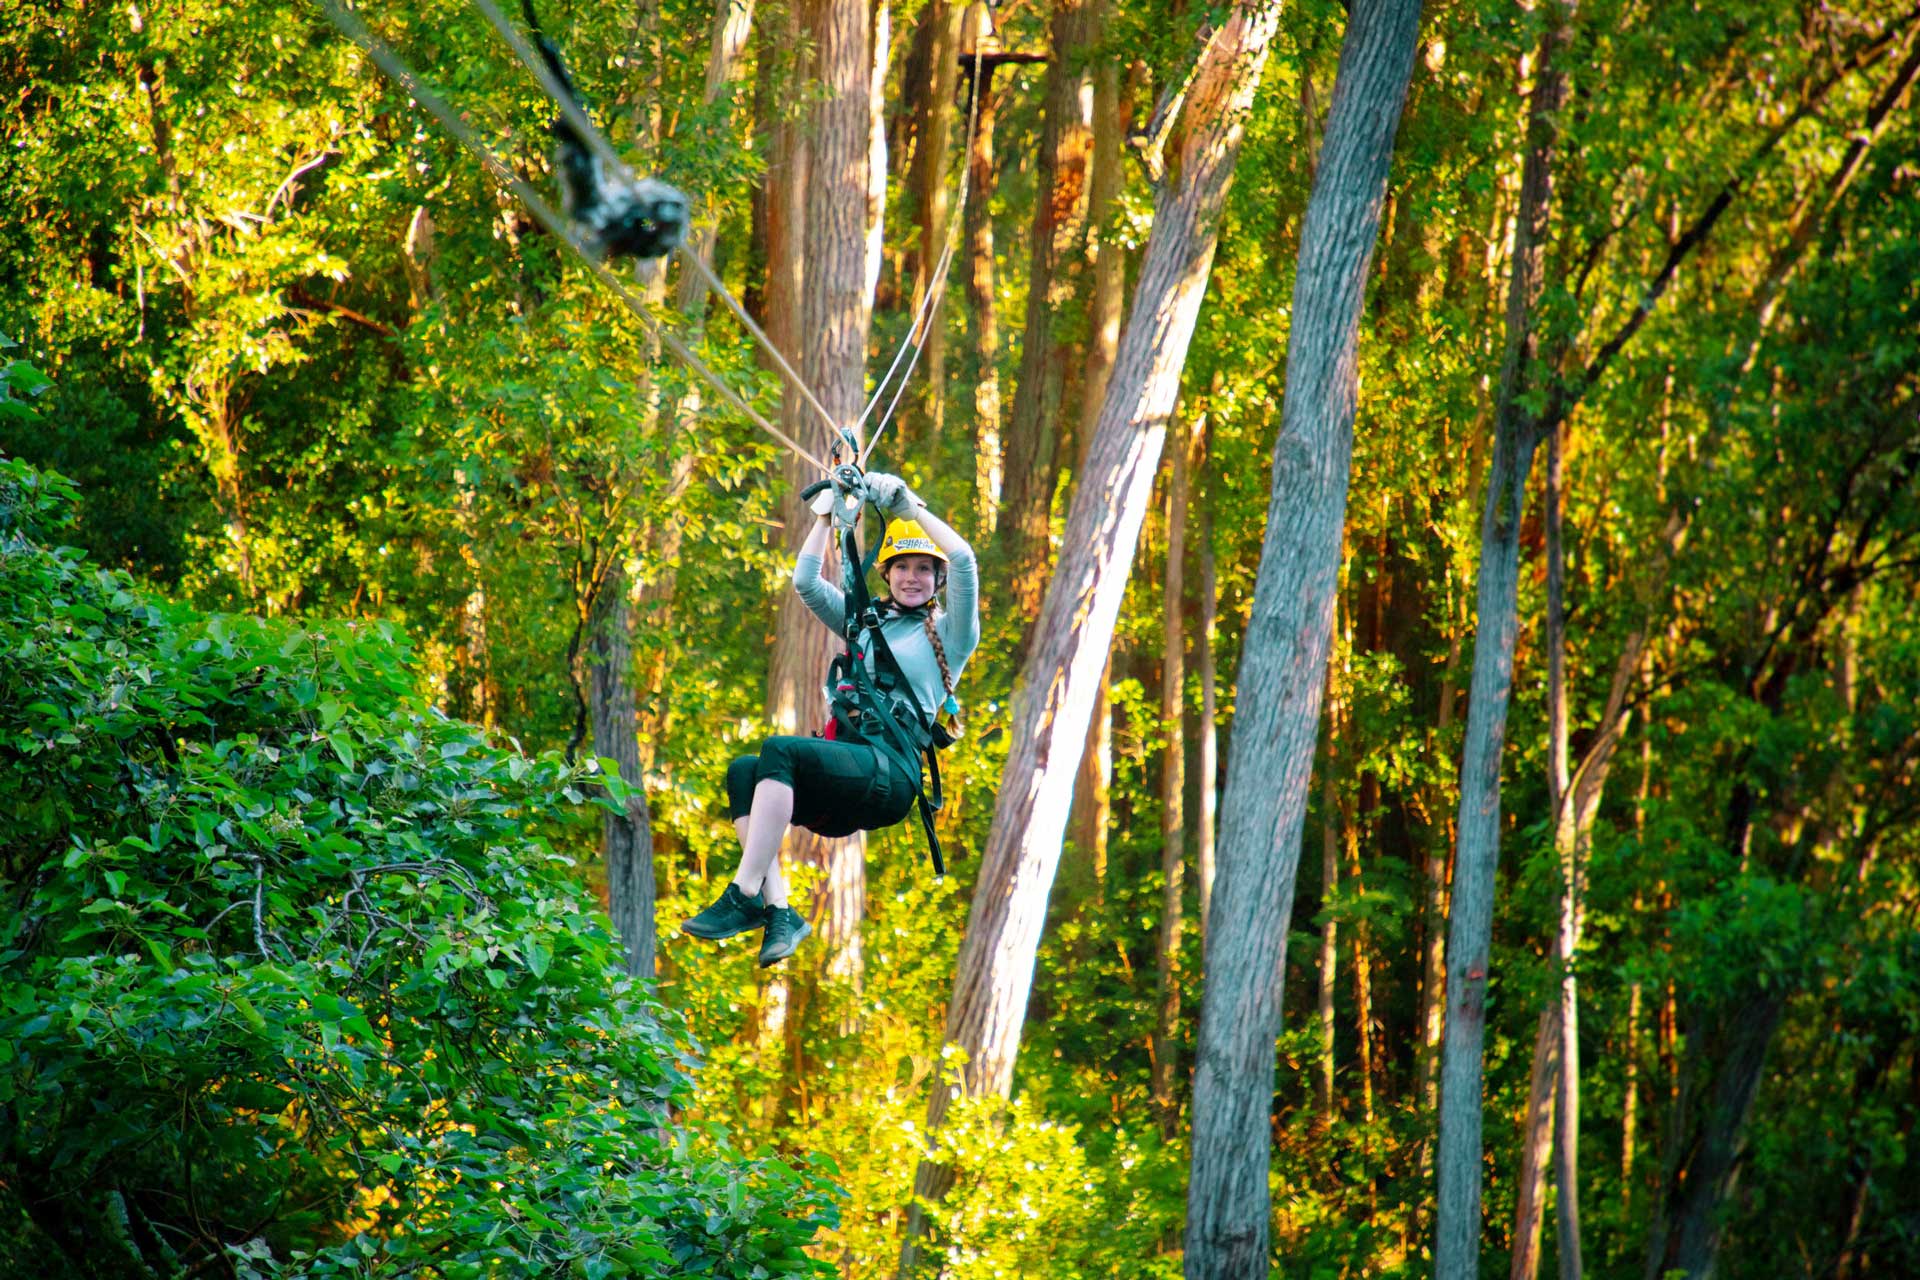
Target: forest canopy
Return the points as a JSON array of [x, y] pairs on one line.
[[1438, 788]]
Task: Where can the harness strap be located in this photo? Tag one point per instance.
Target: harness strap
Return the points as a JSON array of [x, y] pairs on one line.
[[873, 706]]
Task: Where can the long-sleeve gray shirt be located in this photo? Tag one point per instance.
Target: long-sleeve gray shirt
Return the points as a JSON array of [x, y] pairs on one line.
[[959, 626]]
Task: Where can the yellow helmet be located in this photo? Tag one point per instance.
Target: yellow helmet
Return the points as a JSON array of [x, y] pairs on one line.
[[907, 538]]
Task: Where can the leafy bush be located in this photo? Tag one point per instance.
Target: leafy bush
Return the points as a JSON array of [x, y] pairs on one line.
[[289, 985]]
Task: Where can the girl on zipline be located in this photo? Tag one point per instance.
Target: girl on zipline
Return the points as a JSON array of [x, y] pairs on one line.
[[847, 780]]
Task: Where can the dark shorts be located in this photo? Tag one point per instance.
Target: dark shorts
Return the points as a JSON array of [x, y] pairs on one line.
[[839, 787]]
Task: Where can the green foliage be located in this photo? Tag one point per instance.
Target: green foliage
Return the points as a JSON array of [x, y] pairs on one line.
[[369, 389], [20, 385], [291, 977]]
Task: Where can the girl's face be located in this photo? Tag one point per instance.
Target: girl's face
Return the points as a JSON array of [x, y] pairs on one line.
[[912, 580]]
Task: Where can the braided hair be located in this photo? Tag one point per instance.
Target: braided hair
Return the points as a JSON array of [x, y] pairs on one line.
[[940, 656], [929, 613]]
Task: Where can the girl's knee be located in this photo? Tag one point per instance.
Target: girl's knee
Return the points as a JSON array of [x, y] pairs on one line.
[[742, 774], [778, 759]]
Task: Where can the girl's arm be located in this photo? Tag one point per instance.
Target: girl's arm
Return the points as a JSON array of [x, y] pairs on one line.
[[821, 597]]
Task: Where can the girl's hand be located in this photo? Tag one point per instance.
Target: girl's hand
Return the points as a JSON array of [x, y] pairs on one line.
[[891, 494]]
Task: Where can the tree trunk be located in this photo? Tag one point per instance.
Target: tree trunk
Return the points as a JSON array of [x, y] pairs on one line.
[[880, 44], [1173, 790], [1436, 884], [931, 164], [1284, 654], [1032, 437], [1457, 1225], [732, 23], [834, 315], [1091, 810], [1536, 1148], [1208, 763], [801, 647], [1630, 1085], [1362, 963], [1093, 787], [1567, 829], [1329, 886], [1106, 300], [627, 837], [983, 308], [1052, 707], [1727, 1052]]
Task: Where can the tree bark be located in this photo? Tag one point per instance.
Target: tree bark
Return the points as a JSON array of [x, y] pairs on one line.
[[879, 43], [801, 647], [1093, 787], [1567, 829], [1536, 1148], [1630, 1084], [1091, 810], [1173, 790], [983, 306], [1727, 1051], [1082, 604], [835, 311], [1362, 963], [1208, 762], [1032, 435], [1329, 886], [1284, 654], [727, 45], [1516, 434], [1436, 885], [1106, 300], [626, 837], [931, 165]]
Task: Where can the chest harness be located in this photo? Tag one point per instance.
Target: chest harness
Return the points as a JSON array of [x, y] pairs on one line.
[[878, 704]]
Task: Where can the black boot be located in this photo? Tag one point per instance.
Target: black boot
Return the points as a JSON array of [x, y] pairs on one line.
[[733, 912], [785, 929]]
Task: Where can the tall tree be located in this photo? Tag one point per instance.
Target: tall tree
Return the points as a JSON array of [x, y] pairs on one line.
[[727, 46], [933, 130], [1208, 756], [1082, 603], [983, 304], [834, 314], [1032, 434], [1092, 807], [626, 839], [1517, 432], [1173, 792], [1284, 654]]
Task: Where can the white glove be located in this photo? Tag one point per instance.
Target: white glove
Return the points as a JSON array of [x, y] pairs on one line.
[[890, 494]]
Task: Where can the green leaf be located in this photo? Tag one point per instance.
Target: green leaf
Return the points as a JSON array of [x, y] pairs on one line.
[[251, 1014]]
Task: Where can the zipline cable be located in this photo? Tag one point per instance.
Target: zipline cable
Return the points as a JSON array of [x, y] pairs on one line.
[[402, 75], [937, 283], [584, 126], [555, 88], [720, 290]]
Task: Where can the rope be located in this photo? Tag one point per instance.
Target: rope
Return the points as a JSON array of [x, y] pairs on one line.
[[713, 283], [584, 126], [402, 75], [937, 288], [555, 88]]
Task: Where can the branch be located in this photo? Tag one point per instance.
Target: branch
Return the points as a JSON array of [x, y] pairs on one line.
[[300, 297], [1569, 393], [1149, 145], [289, 189]]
